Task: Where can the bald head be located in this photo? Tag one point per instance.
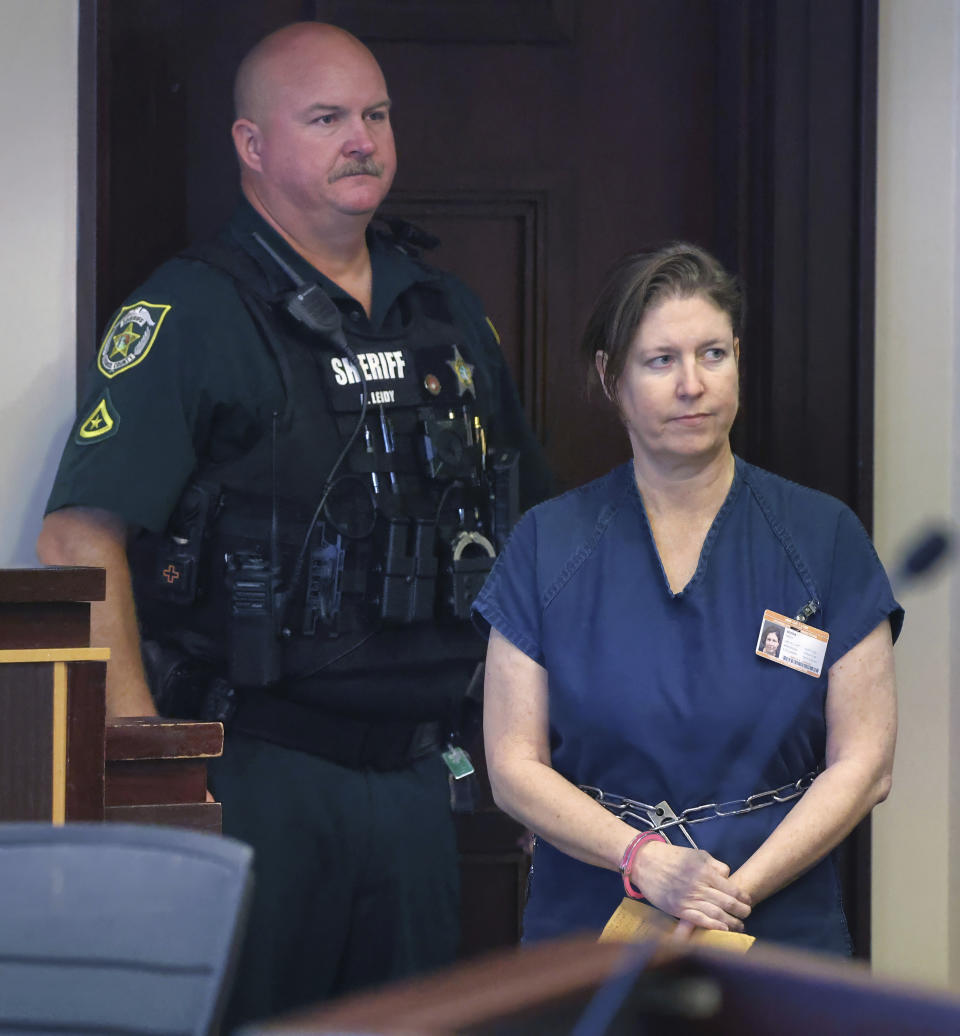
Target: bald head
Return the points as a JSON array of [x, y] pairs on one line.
[[284, 58], [313, 132]]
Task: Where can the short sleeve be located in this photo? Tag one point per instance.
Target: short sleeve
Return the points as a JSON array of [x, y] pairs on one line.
[[859, 596], [167, 365], [131, 418], [510, 600]]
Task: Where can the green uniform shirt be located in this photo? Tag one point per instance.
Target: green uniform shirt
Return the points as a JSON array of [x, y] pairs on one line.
[[183, 373]]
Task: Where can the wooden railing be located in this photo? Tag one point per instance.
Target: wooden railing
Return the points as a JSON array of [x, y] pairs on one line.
[[60, 760]]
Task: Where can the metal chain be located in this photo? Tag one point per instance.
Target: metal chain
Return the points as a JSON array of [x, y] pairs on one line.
[[658, 818]]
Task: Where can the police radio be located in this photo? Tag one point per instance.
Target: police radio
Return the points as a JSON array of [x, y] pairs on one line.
[[255, 658], [311, 306]]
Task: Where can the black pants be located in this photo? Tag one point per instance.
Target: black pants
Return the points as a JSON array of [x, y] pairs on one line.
[[355, 873]]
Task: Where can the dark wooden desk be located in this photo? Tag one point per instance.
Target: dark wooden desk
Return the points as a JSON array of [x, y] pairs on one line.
[[156, 772], [59, 758], [51, 695], [667, 991]]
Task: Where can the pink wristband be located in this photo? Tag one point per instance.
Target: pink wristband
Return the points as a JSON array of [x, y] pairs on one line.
[[630, 854]]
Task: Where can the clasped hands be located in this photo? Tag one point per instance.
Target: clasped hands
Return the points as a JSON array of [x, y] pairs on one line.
[[690, 885]]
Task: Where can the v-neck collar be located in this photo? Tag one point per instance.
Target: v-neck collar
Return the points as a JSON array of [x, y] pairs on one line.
[[709, 539]]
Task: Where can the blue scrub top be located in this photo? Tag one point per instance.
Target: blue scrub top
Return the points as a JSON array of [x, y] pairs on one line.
[[656, 695]]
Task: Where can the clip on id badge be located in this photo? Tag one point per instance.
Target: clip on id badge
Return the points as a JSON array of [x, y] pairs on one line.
[[792, 643], [458, 762], [462, 792]]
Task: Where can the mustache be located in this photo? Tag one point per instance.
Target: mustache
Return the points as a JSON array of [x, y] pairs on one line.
[[357, 167]]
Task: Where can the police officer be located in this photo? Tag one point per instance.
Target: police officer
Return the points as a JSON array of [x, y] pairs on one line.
[[310, 445]]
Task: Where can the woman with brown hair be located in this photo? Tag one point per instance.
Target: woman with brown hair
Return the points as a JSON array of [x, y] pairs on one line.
[[622, 668]]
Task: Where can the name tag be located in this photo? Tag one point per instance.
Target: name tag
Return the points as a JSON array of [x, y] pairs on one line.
[[792, 643], [390, 376]]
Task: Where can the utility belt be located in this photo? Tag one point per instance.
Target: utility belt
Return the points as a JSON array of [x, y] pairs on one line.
[[355, 743], [662, 817], [193, 688]]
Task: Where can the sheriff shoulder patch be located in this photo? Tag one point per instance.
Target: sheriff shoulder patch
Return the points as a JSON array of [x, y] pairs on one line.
[[130, 336], [103, 422]]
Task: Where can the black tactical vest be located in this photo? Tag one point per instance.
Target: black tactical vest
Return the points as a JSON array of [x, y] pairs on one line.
[[322, 587]]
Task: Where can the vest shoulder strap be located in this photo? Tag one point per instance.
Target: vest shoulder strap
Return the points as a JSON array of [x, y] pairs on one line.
[[239, 264]]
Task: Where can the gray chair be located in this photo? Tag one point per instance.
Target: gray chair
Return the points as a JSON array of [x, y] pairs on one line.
[[118, 928]]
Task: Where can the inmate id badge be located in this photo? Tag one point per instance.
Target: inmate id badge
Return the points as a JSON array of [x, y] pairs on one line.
[[792, 643]]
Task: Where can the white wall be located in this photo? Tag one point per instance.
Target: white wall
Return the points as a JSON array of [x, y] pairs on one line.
[[916, 891], [38, 202]]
